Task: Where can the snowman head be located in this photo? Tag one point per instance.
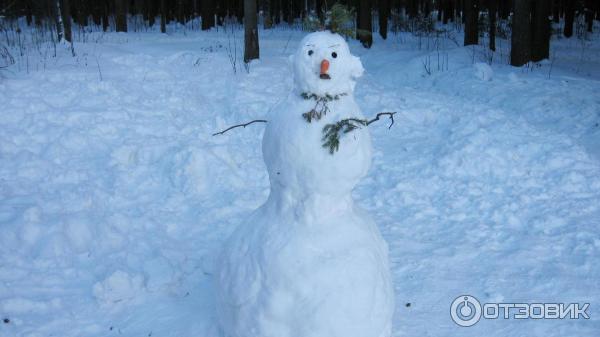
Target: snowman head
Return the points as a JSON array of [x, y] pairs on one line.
[[323, 65]]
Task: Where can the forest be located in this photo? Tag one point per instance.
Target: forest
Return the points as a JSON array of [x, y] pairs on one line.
[[526, 22]]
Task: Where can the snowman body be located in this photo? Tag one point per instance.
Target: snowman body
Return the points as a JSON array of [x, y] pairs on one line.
[[309, 262]]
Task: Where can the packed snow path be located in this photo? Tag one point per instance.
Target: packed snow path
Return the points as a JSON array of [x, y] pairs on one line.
[[114, 196]]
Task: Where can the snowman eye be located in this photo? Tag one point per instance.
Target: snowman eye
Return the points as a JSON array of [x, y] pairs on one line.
[[334, 54], [310, 52]]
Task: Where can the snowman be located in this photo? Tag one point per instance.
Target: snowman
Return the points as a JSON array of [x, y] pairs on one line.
[[309, 262]]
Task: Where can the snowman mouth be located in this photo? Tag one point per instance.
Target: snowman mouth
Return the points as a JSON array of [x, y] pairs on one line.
[[325, 77]]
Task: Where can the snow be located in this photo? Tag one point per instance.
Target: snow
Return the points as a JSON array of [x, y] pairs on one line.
[[118, 287], [483, 71], [309, 262], [115, 198]]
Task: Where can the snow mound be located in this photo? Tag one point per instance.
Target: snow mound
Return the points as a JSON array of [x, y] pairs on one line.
[[483, 71], [119, 287]]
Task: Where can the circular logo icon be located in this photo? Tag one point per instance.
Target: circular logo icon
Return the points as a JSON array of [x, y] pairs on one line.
[[465, 310]]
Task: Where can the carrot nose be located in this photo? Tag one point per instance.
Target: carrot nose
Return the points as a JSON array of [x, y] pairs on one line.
[[324, 66]]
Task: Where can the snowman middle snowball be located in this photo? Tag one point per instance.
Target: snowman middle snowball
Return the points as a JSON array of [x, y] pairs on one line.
[[309, 262]]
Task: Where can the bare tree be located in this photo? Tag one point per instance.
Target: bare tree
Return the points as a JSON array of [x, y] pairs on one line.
[[60, 27], [384, 14], [569, 6], [471, 22], [251, 50], [105, 11], [521, 35], [276, 11], [504, 7], [493, 11], [163, 16], [121, 15], [589, 14], [556, 10], [540, 45], [150, 12], [28, 11], [65, 10], [208, 14], [180, 12], [365, 24], [448, 10], [412, 8], [268, 21]]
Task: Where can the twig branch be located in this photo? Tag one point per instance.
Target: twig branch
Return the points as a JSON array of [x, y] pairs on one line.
[[240, 125], [333, 132], [99, 71], [391, 114], [330, 131]]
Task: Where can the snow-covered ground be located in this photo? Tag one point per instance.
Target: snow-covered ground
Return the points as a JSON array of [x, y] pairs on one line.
[[115, 197]]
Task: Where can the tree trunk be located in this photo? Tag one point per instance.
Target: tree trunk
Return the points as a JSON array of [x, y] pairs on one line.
[[365, 24], [471, 22], [412, 8], [239, 12], [521, 34], [589, 15], [28, 12], [97, 12], [66, 18], [151, 12], [163, 16], [121, 15], [448, 11], [285, 10], [251, 51], [81, 12], [37, 14], [208, 14], [221, 11], [569, 17], [492, 10], [556, 11], [267, 19], [276, 11], [296, 9], [180, 16], [540, 42], [384, 14], [504, 8], [105, 10], [318, 8], [427, 8], [60, 27]]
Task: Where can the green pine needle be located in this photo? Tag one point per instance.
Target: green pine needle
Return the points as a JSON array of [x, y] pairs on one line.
[[331, 132], [339, 19]]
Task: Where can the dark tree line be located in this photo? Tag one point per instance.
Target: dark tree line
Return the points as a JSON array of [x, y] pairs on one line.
[[531, 19]]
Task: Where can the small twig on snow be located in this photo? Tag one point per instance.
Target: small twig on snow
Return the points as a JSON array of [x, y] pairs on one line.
[[240, 125], [391, 114], [99, 71]]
